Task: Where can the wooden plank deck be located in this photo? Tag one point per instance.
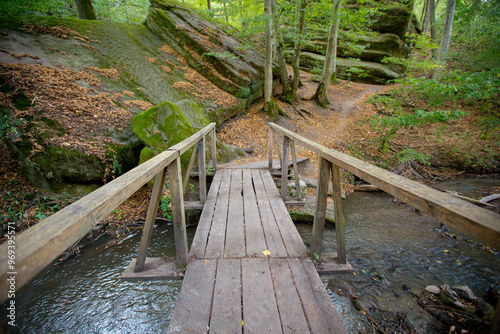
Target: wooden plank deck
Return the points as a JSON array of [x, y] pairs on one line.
[[231, 285]]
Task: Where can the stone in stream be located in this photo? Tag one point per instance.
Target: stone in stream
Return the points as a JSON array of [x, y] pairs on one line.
[[433, 289]]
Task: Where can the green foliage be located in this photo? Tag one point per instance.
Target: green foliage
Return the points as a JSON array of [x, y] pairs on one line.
[[222, 55], [164, 203], [407, 155]]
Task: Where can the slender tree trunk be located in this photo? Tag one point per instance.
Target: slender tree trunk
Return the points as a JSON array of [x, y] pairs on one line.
[[432, 25], [268, 64], [297, 46], [280, 53], [225, 12], [85, 9], [423, 18], [445, 39], [330, 58], [209, 5]]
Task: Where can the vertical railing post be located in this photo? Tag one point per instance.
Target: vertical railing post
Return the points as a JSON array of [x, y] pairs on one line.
[[284, 168], [178, 216], [270, 150], [214, 149], [339, 215], [320, 209], [185, 181], [154, 201], [295, 170], [202, 171]]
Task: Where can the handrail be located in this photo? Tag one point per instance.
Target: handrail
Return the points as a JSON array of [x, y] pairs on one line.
[[477, 222], [38, 246]]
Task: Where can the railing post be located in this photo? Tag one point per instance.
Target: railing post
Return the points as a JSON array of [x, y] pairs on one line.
[[284, 168], [270, 150], [295, 170], [202, 171], [214, 149], [156, 195], [320, 209], [178, 216], [339, 214]]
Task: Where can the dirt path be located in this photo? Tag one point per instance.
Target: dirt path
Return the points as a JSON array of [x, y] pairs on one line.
[[327, 126]]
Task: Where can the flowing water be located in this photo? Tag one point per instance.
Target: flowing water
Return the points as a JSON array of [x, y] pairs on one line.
[[388, 244]]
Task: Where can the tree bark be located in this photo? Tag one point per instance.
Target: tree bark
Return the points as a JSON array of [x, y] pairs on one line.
[[296, 51], [85, 9], [432, 25], [330, 57], [445, 39], [425, 17], [268, 64], [209, 5], [280, 53]]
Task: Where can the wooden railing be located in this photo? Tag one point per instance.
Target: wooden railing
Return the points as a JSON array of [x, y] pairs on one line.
[[38, 246], [478, 223]]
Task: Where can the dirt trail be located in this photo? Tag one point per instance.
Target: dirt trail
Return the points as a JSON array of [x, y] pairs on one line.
[[327, 126]]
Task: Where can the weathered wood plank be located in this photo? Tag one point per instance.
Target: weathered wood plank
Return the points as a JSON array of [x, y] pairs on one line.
[[235, 231], [272, 233], [472, 220], [284, 171], [293, 242], [147, 231], [217, 235], [189, 169], [202, 178], [260, 312], [270, 150], [339, 214], [155, 269], [254, 232], [226, 310], [295, 170], [201, 236], [214, 149], [178, 214], [192, 310], [320, 207], [322, 299], [290, 309]]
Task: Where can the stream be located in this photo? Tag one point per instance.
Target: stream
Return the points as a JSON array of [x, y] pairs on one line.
[[388, 244]]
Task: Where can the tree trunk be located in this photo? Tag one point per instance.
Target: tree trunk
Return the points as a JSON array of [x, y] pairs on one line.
[[268, 64], [280, 54], [432, 25], [445, 39], [330, 58], [296, 51], [85, 9], [424, 22], [209, 5]]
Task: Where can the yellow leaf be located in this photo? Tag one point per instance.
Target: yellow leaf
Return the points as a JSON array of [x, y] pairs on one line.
[[266, 252], [241, 323], [438, 261]]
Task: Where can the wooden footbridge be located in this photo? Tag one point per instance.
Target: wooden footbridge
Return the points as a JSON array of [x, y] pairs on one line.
[[247, 270]]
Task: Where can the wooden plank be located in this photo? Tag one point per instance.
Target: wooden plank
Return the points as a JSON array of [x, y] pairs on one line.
[[38, 246], [155, 269], [226, 310], [272, 233], [216, 238], [235, 231], [339, 214], [202, 179], [322, 299], [262, 164], [293, 242], [254, 232], [295, 170], [330, 265], [147, 231], [214, 149], [320, 207], [178, 214], [468, 218], [284, 171], [290, 309], [294, 202], [260, 312], [270, 149], [315, 318], [192, 310], [192, 161], [201, 236]]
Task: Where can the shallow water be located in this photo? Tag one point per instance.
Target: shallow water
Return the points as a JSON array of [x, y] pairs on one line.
[[388, 244]]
